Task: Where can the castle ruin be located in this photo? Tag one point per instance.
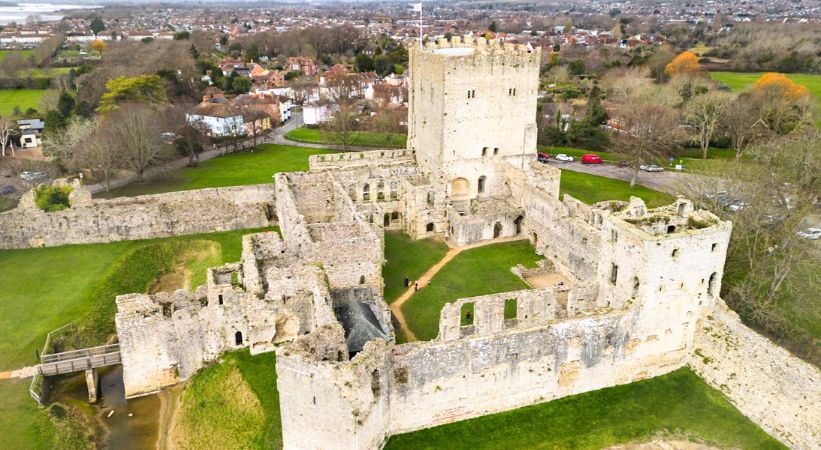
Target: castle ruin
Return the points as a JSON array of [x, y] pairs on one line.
[[641, 301]]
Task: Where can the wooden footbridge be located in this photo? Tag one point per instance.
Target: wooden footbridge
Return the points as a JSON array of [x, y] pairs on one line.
[[78, 360]]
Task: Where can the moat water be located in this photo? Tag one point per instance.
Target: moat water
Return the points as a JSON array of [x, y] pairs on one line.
[[135, 423]]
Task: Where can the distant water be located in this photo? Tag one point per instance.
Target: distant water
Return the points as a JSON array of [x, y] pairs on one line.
[[46, 11]]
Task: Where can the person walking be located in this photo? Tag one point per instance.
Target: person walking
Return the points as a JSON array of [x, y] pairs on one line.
[[415, 286], [407, 281]]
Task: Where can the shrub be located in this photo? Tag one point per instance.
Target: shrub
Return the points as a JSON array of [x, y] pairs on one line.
[[52, 198]]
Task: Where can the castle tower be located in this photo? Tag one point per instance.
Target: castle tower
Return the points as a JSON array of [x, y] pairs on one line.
[[472, 105]]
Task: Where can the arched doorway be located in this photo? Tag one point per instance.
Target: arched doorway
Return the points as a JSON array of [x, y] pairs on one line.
[[459, 188], [497, 229], [518, 224], [238, 338], [387, 220], [711, 285]]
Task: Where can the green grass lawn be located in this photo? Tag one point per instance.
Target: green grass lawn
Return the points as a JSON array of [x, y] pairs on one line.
[[22, 98], [45, 72], [407, 257], [592, 189], [234, 404], [49, 287], [678, 403], [235, 169], [23, 53], [478, 271], [360, 139], [739, 81]]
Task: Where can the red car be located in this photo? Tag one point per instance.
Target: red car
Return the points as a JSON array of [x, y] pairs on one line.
[[542, 157], [590, 158]]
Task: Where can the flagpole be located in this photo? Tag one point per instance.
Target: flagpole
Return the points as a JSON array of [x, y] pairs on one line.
[[420, 25]]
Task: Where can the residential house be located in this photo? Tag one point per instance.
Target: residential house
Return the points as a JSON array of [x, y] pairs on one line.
[[30, 132], [306, 66], [315, 113], [216, 114]]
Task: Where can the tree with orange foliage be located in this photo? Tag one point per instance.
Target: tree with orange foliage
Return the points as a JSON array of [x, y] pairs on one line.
[[785, 105], [780, 85], [98, 46], [685, 63]]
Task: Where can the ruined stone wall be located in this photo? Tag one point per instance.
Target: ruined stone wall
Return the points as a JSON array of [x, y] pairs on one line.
[[349, 160], [776, 390], [442, 381], [333, 403], [142, 217]]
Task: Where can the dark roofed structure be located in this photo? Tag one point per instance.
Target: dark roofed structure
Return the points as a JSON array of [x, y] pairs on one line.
[[360, 324]]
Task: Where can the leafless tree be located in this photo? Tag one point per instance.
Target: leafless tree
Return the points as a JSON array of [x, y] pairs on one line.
[[771, 272], [254, 121], [100, 156], [645, 132], [7, 128], [391, 122], [134, 133], [703, 114], [191, 135], [64, 144], [741, 122], [343, 127]]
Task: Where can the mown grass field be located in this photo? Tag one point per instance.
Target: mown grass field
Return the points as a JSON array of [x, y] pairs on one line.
[[23, 53], [478, 271], [738, 81], [22, 98], [360, 139], [234, 404], [677, 404], [407, 257], [46, 288], [592, 189], [235, 169]]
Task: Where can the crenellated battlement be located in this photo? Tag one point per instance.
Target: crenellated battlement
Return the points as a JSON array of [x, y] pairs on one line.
[[478, 44]]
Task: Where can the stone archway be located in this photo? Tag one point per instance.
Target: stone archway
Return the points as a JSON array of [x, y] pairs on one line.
[[497, 229], [460, 188], [518, 224]]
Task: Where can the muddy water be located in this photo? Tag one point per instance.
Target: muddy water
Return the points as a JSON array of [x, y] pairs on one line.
[[120, 431]]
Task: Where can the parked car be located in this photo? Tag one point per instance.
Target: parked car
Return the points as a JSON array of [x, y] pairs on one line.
[[542, 157], [564, 158], [590, 158], [33, 176], [810, 233], [733, 204], [651, 168]]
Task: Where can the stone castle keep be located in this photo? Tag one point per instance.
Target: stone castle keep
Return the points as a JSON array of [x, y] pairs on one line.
[[641, 301]]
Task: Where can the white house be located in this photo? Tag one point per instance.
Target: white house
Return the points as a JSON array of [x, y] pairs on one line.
[[218, 118], [317, 112]]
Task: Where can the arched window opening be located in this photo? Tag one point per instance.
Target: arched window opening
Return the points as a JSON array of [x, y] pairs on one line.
[[387, 220], [366, 192], [671, 229], [497, 230], [481, 186], [362, 279], [518, 224], [219, 297], [238, 338], [466, 312], [429, 227], [711, 284], [394, 215], [376, 386], [636, 286], [460, 188]]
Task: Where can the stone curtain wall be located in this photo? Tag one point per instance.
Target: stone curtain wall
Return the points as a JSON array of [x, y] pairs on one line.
[[142, 217], [766, 383]]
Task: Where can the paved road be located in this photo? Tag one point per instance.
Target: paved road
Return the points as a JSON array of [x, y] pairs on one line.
[[667, 181]]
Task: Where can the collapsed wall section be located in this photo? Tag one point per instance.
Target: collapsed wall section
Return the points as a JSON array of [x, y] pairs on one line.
[[142, 217], [773, 388]]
